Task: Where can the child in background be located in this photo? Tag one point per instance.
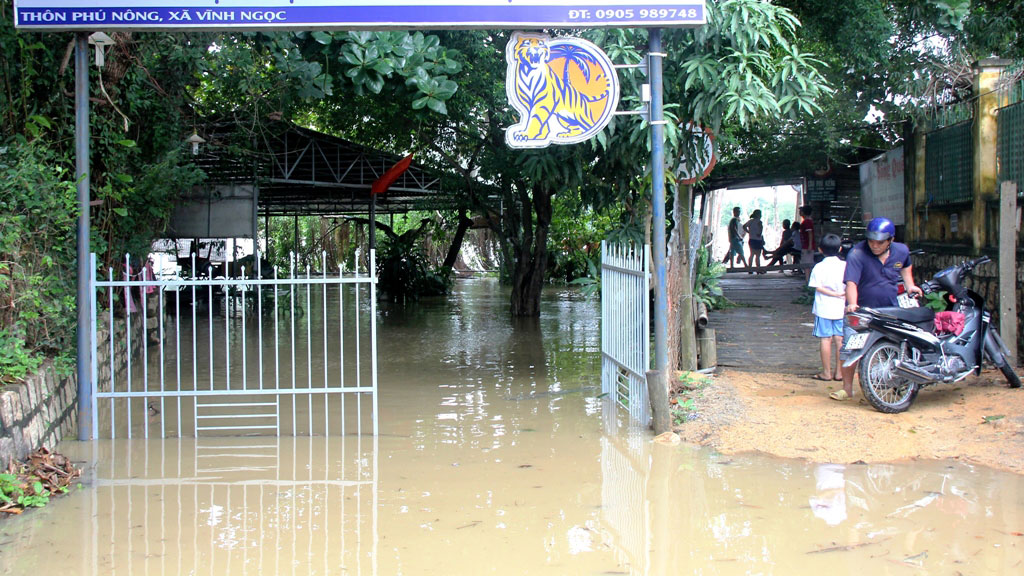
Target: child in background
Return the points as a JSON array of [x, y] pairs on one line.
[[829, 304]]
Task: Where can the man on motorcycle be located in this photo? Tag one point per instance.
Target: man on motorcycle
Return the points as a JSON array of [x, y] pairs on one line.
[[874, 267]]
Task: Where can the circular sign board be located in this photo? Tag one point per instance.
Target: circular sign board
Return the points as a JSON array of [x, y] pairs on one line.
[[565, 90], [705, 162]]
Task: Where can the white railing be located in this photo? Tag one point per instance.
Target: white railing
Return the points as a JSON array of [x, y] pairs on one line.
[[247, 355], [625, 327]]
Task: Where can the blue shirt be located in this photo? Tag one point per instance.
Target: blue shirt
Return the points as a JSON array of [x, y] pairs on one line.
[[876, 282]]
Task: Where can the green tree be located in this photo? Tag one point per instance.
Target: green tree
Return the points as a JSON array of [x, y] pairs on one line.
[[156, 88], [743, 68], [889, 62]]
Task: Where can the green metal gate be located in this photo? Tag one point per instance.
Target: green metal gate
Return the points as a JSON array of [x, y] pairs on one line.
[[949, 164], [1010, 147]]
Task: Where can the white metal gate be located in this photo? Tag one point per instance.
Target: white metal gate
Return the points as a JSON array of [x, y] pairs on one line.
[[625, 327], [257, 354]]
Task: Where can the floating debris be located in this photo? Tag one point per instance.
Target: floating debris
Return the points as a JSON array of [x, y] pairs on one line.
[[32, 483], [847, 547], [916, 559]]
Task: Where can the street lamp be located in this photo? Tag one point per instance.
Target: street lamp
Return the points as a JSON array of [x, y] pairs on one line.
[[195, 140]]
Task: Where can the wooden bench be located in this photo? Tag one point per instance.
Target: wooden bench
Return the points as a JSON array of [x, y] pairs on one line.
[[776, 268]]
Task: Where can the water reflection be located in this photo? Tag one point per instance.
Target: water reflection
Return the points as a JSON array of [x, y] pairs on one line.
[[748, 514], [829, 501], [496, 456]]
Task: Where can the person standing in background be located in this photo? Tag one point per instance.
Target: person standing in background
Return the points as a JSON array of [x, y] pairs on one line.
[[755, 239], [736, 233], [807, 245]]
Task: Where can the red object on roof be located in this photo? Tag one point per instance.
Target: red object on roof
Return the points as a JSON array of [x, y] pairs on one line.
[[384, 182]]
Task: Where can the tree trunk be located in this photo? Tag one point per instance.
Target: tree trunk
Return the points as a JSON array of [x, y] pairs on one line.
[[681, 337], [532, 257], [456, 246]]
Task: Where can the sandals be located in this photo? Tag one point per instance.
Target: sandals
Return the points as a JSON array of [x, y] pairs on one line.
[[839, 395], [820, 377]]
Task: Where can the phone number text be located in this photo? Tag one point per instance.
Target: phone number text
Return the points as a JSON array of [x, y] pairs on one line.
[[634, 13]]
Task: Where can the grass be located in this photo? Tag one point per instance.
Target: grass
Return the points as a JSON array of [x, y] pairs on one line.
[[684, 394]]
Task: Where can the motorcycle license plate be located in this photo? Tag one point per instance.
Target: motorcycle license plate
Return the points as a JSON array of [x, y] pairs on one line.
[[907, 301], [857, 341]]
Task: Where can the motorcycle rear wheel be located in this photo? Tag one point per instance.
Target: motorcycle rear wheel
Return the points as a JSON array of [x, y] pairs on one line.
[[885, 390]]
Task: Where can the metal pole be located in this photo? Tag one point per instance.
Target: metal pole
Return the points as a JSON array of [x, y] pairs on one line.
[[255, 223], [373, 221], [266, 230], [84, 361], [658, 200]]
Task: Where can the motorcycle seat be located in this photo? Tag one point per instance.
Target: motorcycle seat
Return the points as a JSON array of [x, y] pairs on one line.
[[920, 315]]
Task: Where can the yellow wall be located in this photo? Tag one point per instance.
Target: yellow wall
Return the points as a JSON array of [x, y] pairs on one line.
[[973, 221]]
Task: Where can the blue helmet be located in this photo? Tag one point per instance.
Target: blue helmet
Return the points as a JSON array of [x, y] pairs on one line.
[[880, 229]]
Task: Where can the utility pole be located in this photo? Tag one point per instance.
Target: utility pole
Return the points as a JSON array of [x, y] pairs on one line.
[[85, 327], [657, 379]]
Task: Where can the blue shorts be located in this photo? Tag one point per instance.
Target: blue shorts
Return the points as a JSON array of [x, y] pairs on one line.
[[824, 328], [736, 247]]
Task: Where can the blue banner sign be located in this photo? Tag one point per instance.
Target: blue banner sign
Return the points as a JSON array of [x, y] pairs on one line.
[[352, 15]]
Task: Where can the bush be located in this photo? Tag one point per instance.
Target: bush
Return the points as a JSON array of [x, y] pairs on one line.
[[37, 259], [404, 272], [708, 272]]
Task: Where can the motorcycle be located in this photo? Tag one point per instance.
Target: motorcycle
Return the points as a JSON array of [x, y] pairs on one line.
[[902, 353]]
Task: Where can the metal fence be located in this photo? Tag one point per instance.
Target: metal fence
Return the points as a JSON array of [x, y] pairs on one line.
[[1010, 145], [1011, 82], [257, 355], [625, 327], [949, 164]]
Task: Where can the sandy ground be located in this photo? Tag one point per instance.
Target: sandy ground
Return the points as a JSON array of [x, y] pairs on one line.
[[978, 421]]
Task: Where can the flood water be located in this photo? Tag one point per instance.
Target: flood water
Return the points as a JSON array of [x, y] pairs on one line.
[[497, 456]]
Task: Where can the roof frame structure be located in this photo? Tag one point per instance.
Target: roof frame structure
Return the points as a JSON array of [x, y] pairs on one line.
[[299, 171]]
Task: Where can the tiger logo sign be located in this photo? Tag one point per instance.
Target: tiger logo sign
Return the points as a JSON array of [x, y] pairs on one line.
[[565, 90]]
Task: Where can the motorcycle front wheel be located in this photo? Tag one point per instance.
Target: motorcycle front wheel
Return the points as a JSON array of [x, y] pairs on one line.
[[882, 386], [998, 354], [1011, 377]]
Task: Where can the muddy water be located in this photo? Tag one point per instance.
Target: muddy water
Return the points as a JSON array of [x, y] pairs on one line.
[[497, 457]]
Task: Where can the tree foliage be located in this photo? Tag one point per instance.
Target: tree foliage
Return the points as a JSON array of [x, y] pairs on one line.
[[37, 259], [155, 89], [889, 61]]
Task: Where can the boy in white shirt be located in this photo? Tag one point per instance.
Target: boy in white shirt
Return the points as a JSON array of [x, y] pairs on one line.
[[829, 304]]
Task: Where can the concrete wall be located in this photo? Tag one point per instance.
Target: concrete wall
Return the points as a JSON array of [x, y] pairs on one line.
[[952, 233], [43, 410], [37, 412]]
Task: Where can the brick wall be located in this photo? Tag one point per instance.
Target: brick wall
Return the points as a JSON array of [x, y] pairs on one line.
[[37, 412], [43, 409]]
